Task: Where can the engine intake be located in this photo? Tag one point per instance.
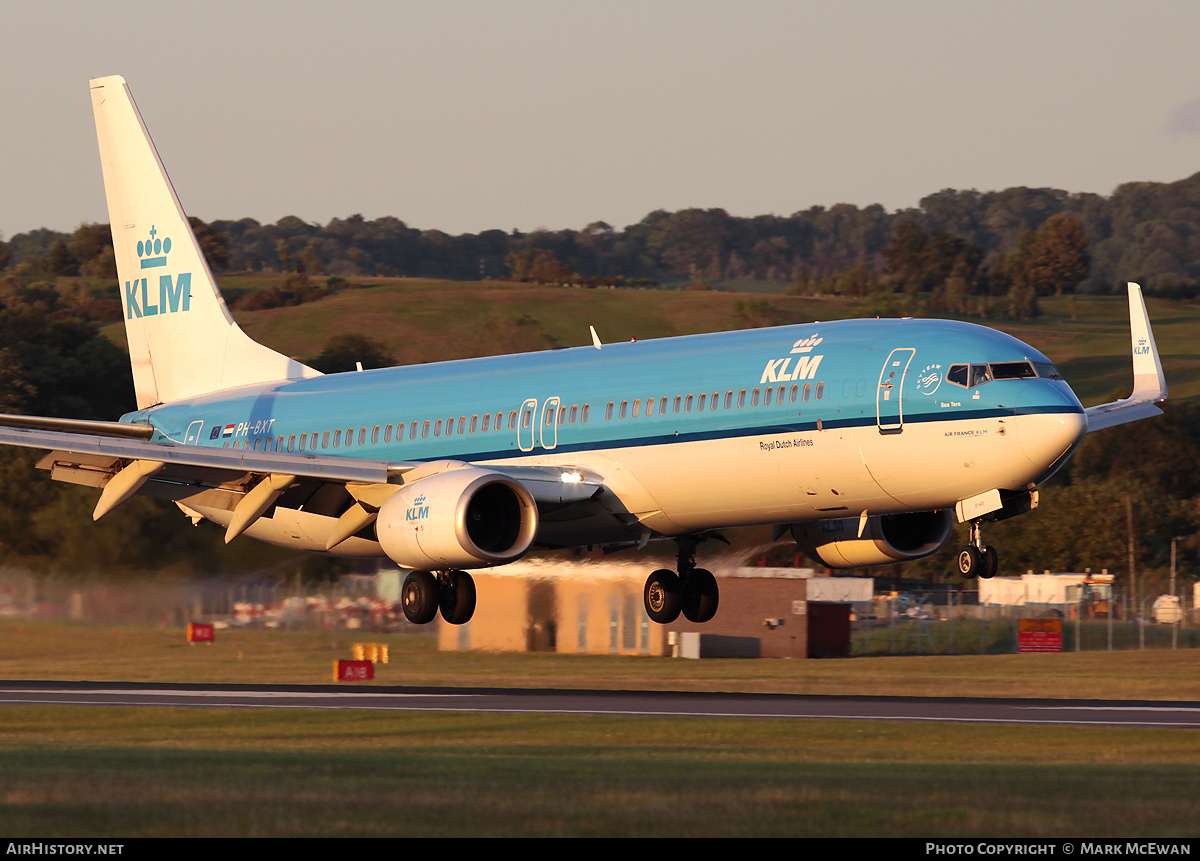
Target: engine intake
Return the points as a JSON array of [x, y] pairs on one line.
[[886, 538], [463, 518]]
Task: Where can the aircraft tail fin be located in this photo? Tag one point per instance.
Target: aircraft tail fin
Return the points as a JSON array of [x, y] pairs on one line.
[[1149, 382], [183, 341]]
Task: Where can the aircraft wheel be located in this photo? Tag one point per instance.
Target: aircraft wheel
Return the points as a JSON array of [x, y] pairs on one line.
[[456, 598], [989, 563], [970, 561], [663, 596], [419, 597], [700, 596]]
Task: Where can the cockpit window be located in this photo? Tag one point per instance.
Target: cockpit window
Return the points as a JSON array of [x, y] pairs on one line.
[[1047, 371], [970, 376], [1012, 371]]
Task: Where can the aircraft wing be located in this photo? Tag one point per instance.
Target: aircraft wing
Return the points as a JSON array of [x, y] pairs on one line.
[[1149, 383], [111, 456]]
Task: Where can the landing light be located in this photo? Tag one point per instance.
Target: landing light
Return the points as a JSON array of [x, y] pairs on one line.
[[571, 478]]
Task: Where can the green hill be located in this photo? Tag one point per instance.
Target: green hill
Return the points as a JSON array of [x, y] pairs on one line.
[[424, 320]]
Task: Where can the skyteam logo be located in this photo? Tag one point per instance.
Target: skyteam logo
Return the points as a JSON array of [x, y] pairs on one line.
[[929, 379], [174, 294]]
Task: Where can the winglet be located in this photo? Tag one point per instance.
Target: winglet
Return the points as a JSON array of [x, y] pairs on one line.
[[1149, 382], [595, 338]]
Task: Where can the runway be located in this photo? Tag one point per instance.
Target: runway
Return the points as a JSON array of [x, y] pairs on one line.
[[1107, 713]]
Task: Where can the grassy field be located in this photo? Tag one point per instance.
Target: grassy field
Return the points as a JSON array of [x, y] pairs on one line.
[[126, 772], [424, 320], [56, 650]]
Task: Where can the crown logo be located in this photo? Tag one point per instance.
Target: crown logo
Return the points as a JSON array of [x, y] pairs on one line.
[[806, 346], [153, 251]]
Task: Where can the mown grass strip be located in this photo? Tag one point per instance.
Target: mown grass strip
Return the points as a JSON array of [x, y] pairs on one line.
[[126, 772]]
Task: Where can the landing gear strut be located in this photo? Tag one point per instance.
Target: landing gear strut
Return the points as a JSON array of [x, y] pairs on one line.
[[692, 591], [977, 559], [451, 592]]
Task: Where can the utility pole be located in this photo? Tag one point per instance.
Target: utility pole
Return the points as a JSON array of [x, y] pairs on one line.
[[1132, 573]]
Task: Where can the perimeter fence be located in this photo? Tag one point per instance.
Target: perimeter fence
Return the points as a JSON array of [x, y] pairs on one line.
[[349, 603], [955, 623]]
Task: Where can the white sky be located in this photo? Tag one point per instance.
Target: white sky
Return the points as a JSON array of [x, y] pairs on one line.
[[466, 115]]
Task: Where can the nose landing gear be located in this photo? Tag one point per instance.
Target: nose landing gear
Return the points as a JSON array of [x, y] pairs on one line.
[[977, 559]]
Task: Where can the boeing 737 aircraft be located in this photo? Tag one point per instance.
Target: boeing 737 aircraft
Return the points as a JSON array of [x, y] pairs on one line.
[[864, 439]]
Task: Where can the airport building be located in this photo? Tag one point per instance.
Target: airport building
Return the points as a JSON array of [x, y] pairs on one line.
[[597, 608]]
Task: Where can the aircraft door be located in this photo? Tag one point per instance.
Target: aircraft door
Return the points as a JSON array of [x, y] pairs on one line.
[[891, 385], [527, 425], [549, 422], [192, 437]]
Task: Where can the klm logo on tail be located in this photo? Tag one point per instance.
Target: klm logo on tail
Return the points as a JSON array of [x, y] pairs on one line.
[[174, 294]]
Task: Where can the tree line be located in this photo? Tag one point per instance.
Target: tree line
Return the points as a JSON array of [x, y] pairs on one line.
[[980, 244]]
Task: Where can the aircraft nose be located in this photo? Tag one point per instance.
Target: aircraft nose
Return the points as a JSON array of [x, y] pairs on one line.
[[1050, 422]]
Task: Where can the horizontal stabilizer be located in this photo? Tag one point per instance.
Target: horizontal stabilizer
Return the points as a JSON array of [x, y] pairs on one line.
[[114, 429]]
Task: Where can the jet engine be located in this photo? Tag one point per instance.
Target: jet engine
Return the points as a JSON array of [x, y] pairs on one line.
[[886, 538], [463, 518]]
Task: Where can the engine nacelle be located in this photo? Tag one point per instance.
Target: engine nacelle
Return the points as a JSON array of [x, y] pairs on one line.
[[887, 538], [463, 518]]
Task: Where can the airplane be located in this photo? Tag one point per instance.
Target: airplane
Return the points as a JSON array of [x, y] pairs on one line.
[[864, 439]]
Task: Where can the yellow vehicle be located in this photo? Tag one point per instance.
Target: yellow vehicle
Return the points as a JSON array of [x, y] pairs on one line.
[[1091, 597]]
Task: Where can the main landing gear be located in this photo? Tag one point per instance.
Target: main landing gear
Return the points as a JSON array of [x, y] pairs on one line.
[[977, 559], [692, 591], [425, 593]]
